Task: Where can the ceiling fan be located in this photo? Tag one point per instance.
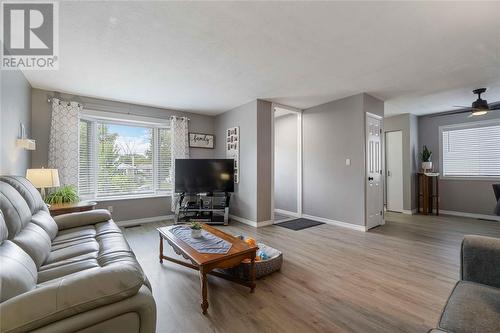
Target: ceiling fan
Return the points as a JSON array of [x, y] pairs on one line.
[[479, 107]]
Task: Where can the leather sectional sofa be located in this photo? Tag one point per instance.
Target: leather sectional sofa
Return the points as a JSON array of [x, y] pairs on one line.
[[74, 273]]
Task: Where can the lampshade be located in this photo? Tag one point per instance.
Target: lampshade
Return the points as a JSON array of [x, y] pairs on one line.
[[42, 178]]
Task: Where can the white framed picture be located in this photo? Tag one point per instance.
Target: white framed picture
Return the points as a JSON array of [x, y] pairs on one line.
[[233, 149], [200, 140]]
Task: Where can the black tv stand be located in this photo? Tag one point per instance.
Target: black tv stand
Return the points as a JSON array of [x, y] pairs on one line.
[[210, 208]]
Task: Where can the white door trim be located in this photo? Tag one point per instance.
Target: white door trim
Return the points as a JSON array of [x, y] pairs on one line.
[[386, 178], [299, 156]]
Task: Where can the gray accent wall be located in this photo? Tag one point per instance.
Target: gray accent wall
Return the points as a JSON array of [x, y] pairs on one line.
[[333, 132], [252, 197], [408, 125], [469, 196], [244, 200], [264, 160], [15, 108], [285, 162], [128, 209]]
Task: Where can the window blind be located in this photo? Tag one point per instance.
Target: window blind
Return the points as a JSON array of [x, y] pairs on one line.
[[85, 173], [471, 152], [164, 160], [118, 159]]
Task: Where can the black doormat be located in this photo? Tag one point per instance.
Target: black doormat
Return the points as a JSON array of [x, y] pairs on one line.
[[299, 224]]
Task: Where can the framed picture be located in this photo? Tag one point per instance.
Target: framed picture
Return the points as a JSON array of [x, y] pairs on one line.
[[200, 140], [233, 150]]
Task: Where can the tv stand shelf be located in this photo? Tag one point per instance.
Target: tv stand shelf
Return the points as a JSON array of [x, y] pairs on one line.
[[210, 208]]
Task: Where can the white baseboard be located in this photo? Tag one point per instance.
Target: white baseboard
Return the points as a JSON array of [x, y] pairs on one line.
[[471, 215], [243, 220], [336, 223], [409, 211], [129, 223], [287, 213], [250, 222], [264, 223]]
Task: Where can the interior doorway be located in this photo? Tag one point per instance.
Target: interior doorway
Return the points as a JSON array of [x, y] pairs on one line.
[[287, 163], [394, 173], [374, 183]]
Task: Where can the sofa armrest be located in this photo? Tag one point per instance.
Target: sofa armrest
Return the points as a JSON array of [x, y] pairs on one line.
[[69, 296], [480, 260], [73, 220]]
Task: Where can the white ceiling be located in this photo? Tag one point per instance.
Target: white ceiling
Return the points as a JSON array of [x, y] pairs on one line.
[[280, 112], [209, 57]]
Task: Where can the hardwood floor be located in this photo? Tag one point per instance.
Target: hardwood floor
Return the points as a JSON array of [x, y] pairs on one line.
[[394, 278]]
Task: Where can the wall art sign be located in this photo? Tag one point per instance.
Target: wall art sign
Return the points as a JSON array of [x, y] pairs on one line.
[[200, 140]]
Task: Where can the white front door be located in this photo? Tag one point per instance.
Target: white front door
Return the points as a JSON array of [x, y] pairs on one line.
[[394, 167], [374, 190]]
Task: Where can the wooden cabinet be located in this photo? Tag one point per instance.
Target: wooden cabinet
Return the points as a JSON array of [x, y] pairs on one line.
[[427, 193]]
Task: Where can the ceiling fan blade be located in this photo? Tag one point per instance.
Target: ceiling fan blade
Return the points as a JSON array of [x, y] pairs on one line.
[[448, 113]]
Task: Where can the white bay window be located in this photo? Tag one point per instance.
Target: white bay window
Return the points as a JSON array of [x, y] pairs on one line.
[[123, 159]]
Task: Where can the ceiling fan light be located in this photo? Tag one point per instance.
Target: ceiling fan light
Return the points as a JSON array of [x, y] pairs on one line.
[[479, 113]]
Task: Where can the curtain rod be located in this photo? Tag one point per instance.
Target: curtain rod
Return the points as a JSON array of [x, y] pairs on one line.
[[97, 107]]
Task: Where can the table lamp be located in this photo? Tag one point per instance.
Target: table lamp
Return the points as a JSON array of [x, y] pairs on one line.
[[43, 178]]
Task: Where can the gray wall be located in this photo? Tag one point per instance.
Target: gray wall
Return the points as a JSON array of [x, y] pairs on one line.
[[252, 197], [470, 196], [333, 132], [285, 162], [129, 209], [15, 109], [244, 200], [408, 125], [264, 160]]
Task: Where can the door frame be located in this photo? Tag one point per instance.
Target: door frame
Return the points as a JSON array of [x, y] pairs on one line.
[[298, 214], [386, 191], [382, 159]]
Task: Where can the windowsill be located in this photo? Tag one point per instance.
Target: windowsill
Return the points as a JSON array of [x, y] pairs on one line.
[[128, 197], [487, 179]]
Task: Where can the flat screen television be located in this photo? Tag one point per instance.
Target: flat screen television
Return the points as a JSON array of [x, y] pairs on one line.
[[204, 175]]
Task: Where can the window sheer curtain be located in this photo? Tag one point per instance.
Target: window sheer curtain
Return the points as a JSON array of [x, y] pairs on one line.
[[179, 130], [64, 140]]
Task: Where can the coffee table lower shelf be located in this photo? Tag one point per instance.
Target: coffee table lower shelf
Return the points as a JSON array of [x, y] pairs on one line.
[[223, 262]]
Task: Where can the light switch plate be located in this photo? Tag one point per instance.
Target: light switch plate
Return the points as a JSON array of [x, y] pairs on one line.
[[348, 161]]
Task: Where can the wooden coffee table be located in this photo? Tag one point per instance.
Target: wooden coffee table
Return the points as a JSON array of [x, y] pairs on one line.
[[205, 263]]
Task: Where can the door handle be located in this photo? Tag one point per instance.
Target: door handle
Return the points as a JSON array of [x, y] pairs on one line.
[[370, 178]]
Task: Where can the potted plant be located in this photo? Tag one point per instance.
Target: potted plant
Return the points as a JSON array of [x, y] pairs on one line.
[[64, 194], [426, 156], [195, 230]]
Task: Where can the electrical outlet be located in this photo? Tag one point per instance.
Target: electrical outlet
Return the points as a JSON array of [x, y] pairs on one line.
[[110, 208]]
